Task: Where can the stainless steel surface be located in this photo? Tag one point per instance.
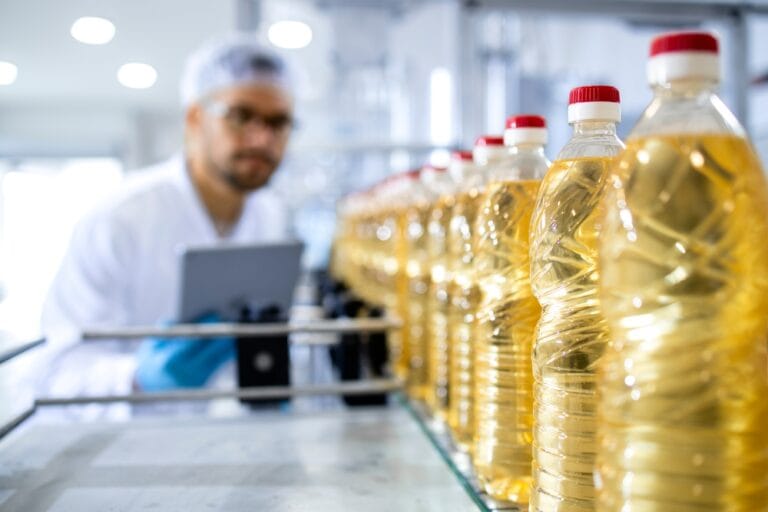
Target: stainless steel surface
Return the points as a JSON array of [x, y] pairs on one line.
[[274, 392], [229, 329], [376, 460]]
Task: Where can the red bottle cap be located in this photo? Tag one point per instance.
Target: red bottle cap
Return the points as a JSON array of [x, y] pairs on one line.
[[594, 103], [525, 129], [489, 140], [412, 174], [462, 155], [684, 56], [594, 93], [684, 42], [526, 121]]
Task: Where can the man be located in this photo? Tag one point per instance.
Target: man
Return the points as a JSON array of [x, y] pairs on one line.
[[121, 267]]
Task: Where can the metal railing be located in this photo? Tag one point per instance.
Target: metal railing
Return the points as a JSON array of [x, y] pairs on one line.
[[218, 330], [193, 331]]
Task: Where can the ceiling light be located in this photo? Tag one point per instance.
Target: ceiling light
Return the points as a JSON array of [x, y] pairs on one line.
[[91, 30], [290, 34], [8, 73], [137, 75]]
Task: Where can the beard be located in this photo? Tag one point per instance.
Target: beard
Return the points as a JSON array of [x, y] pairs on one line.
[[247, 170]]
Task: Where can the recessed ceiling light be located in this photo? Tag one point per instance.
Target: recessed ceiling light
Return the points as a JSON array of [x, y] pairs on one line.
[[289, 34], [92, 30], [8, 73], [137, 75]]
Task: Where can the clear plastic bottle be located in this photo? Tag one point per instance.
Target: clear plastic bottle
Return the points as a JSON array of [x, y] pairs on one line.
[[464, 292], [416, 268], [438, 301], [352, 245], [571, 334], [344, 243], [507, 314], [684, 287], [389, 262], [366, 280]]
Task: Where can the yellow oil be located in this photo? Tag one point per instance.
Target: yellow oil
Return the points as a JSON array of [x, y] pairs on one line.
[[685, 383], [462, 325], [506, 326], [340, 261], [370, 256], [418, 278], [438, 301], [571, 334], [386, 283], [352, 249], [398, 281]]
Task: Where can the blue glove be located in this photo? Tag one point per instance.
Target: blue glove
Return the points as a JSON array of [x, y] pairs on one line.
[[166, 364]]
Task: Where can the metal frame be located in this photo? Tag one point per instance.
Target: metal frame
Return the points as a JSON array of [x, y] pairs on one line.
[[218, 330], [380, 147], [272, 393], [17, 349], [663, 12], [213, 331], [673, 10], [16, 421]]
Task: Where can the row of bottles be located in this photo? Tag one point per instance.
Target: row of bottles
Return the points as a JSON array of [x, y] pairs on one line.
[[593, 331]]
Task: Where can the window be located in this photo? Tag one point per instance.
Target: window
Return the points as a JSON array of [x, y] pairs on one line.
[[40, 202]]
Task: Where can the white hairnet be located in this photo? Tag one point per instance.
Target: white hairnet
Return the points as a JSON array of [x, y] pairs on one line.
[[231, 60]]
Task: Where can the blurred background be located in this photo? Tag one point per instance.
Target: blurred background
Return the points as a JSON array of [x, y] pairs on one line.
[[384, 85]]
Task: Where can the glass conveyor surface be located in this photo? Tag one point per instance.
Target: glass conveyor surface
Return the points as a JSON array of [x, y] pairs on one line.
[[372, 459]]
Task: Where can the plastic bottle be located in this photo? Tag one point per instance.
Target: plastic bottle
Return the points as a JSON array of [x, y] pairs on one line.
[[464, 292], [351, 245], [685, 291], [387, 285], [415, 224], [438, 301], [571, 334], [507, 315], [341, 262], [366, 256]]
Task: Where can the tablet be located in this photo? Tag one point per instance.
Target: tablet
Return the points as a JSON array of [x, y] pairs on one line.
[[224, 278]]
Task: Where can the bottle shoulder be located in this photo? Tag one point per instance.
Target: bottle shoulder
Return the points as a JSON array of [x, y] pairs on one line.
[[703, 113]]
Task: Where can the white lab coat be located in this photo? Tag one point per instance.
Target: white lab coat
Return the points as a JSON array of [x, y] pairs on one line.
[[122, 264]]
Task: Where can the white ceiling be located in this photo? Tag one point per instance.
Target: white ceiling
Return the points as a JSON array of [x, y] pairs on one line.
[[67, 95], [53, 67], [59, 76]]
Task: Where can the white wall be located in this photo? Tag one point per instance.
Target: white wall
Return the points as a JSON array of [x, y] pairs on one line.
[[758, 65], [422, 40], [136, 136]]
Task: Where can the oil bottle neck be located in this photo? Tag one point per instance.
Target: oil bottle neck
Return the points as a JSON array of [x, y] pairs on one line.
[[685, 89], [527, 149], [594, 128]]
